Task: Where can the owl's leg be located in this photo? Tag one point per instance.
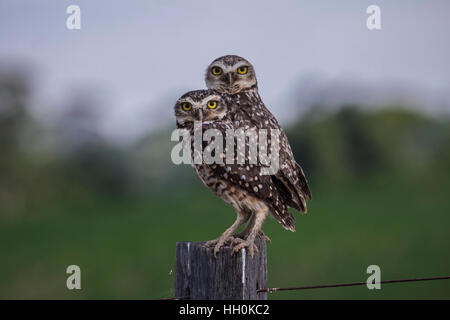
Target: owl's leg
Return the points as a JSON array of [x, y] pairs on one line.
[[249, 242], [227, 236], [245, 233]]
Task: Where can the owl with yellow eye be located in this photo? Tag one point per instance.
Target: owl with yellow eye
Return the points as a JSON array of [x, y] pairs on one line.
[[235, 78], [201, 106], [252, 196]]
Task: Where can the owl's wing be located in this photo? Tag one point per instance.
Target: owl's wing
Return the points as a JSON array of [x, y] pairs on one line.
[[248, 177], [290, 178]]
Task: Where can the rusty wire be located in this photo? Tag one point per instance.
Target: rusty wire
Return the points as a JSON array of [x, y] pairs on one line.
[[350, 284]]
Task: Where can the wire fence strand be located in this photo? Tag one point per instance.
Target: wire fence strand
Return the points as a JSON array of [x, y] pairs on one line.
[[350, 284], [336, 285]]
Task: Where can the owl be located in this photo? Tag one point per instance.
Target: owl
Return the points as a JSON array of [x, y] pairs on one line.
[[252, 196], [235, 78]]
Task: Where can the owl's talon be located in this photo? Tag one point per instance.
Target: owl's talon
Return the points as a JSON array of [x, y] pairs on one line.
[[240, 235], [238, 240], [211, 243], [266, 238], [219, 243], [245, 244]]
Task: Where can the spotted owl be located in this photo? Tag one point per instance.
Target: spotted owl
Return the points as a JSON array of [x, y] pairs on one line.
[[252, 195], [234, 77]]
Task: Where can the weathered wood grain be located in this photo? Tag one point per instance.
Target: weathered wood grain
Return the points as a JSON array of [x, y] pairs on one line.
[[200, 276]]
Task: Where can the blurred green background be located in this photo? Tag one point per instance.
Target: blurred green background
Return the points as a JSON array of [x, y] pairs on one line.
[[86, 116], [380, 179]]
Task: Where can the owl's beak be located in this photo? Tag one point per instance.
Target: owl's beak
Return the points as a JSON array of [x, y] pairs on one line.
[[228, 79]]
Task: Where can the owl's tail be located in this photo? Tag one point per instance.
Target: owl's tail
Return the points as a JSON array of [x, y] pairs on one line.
[[284, 217], [302, 185]]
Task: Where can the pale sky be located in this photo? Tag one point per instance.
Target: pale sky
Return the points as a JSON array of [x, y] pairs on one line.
[[140, 56]]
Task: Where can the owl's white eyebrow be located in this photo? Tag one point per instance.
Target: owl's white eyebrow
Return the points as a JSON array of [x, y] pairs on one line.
[[218, 64], [228, 67], [240, 64], [209, 98], [187, 100]]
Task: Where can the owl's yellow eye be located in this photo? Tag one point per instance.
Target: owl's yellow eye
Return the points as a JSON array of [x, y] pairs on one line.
[[242, 70], [186, 106], [212, 104], [216, 71]]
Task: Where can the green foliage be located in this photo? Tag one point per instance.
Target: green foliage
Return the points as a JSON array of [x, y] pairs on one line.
[[125, 246]]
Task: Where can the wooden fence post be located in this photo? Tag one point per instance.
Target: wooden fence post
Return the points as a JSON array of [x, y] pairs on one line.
[[200, 276]]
